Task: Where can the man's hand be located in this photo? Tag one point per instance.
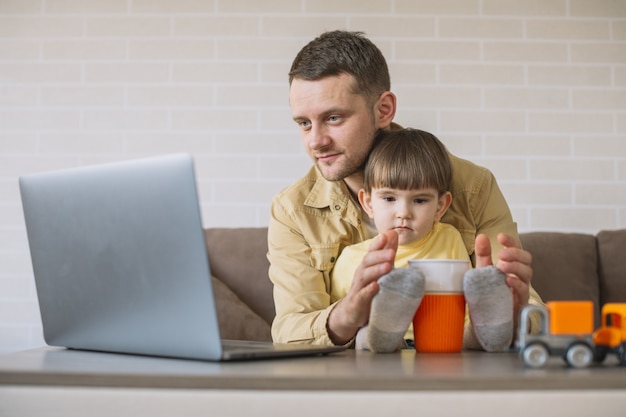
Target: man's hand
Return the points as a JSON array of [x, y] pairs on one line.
[[353, 311], [514, 261]]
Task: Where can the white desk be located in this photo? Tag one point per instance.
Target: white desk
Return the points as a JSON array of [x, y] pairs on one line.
[[52, 381]]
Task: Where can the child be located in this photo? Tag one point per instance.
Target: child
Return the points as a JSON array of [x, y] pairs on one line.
[[406, 188]]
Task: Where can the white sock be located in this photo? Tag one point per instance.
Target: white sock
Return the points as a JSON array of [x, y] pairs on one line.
[[393, 308], [490, 305]]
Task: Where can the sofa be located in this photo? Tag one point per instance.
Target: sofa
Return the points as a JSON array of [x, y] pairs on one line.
[[567, 266]]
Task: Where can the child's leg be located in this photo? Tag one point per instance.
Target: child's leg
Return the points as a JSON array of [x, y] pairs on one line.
[[490, 305], [392, 311]]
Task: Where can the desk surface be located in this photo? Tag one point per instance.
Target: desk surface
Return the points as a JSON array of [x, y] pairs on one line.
[[349, 370]]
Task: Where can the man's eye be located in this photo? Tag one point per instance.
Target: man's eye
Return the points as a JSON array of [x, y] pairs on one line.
[[333, 118], [304, 124]]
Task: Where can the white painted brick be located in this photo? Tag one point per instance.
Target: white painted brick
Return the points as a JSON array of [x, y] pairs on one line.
[[528, 146], [480, 28], [569, 75], [607, 194], [570, 121], [568, 29], [37, 72], [483, 121], [524, 98], [260, 144], [437, 7], [39, 119], [571, 170], [252, 95], [525, 8], [164, 143], [21, 6], [504, 169], [525, 51], [275, 72], [437, 50], [412, 73], [18, 95], [81, 143], [215, 72], [391, 26], [123, 72], [601, 100], [281, 167], [19, 50], [28, 27], [11, 142], [463, 145], [598, 53], [86, 6], [216, 25], [228, 216], [618, 30], [620, 123], [479, 74], [543, 193], [168, 49], [170, 96], [253, 49], [598, 146], [598, 8], [130, 27], [305, 25], [267, 6], [573, 219], [446, 97], [125, 119], [82, 96], [84, 50], [226, 168], [217, 119], [278, 119], [347, 6]]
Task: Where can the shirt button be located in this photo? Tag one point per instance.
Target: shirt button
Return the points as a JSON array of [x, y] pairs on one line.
[[337, 207]]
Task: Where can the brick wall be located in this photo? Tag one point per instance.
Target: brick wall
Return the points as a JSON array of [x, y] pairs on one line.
[[534, 90]]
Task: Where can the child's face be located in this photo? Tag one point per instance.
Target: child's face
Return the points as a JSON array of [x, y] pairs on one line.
[[411, 213]]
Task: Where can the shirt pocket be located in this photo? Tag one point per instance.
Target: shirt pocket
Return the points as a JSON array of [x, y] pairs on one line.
[[323, 257]]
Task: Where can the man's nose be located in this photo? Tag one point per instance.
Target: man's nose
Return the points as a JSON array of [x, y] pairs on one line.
[[318, 137]]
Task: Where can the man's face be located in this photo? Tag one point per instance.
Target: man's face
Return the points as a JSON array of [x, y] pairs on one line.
[[337, 127]]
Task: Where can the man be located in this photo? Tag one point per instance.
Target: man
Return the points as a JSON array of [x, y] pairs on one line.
[[339, 97]]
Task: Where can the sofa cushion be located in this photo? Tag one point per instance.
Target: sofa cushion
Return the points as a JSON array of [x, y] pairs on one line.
[[236, 320], [238, 257], [564, 266], [611, 252]]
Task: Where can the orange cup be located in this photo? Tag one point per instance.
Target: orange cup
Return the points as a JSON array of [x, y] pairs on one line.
[[439, 320]]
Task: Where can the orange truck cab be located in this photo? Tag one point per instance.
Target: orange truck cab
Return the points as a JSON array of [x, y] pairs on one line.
[[611, 336]]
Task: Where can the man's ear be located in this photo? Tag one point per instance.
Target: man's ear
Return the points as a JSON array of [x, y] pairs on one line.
[[385, 109], [445, 200], [366, 202]]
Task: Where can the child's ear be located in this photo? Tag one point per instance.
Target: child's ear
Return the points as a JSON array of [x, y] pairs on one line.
[[445, 200], [366, 202]]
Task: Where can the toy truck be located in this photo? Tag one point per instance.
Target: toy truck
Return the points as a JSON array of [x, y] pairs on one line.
[[567, 330]]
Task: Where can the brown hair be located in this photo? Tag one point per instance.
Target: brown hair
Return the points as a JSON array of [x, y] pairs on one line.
[[341, 52], [408, 159]]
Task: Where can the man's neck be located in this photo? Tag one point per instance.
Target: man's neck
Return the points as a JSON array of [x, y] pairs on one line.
[[354, 183]]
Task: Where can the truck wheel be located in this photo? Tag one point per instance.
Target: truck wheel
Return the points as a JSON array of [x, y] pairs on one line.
[[621, 354], [600, 354], [579, 355], [535, 355]]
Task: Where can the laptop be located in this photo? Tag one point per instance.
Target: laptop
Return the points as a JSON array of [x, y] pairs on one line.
[[120, 263]]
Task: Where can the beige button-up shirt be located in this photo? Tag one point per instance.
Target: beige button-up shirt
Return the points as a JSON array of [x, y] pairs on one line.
[[314, 219]]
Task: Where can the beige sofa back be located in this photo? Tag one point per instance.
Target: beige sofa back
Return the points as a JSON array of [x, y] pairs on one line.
[[567, 266]]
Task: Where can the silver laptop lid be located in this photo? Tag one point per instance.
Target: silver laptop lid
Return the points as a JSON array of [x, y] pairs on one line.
[[119, 258]]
